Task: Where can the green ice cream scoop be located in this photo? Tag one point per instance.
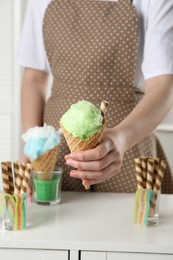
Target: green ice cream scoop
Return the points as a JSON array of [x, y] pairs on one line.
[[82, 120]]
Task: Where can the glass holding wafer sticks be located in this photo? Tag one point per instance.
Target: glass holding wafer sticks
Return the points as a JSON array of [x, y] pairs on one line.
[[15, 177], [149, 176]]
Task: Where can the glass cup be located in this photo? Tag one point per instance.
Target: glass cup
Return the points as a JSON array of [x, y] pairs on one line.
[[153, 218], [47, 187], [14, 211]]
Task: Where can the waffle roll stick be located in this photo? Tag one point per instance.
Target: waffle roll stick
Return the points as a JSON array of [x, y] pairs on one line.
[[156, 168], [26, 178], [149, 183], [19, 179], [103, 106], [157, 184], [5, 177], [16, 169], [160, 175], [10, 175], [138, 172], [144, 170], [150, 174]]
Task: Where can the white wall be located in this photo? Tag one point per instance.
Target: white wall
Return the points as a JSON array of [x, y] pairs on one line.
[[165, 135], [10, 79]]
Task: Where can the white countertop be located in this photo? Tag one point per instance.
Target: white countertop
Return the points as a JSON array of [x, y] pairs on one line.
[[93, 221]]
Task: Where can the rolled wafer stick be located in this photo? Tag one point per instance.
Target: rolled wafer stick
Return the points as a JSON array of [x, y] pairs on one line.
[[149, 183], [150, 174], [19, 179], [26, 178], [160, 175], [16, 169], [5, 177], [139, 175], [156, 169], [144, 170], [103, 107], [10, 175]]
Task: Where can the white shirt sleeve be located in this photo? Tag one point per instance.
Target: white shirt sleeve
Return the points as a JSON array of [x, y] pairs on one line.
[[31, 51], [158, 47]]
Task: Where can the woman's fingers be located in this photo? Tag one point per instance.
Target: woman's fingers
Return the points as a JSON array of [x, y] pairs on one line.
[[88, 182], [93, 154], [95, 165], [94, 175], [24, 158], [29, 193], [101, 163]]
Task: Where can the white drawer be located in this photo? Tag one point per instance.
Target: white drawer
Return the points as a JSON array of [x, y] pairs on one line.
[[137, 256], [9, 254], [89, 255]]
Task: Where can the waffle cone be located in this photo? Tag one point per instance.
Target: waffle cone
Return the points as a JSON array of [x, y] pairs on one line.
[[76, 144], [45, 164]]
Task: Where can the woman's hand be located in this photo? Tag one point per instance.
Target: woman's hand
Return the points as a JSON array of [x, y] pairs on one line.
[[101, 163], [24, 159]]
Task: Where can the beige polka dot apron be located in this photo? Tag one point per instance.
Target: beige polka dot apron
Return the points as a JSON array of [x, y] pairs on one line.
[[92, 50]]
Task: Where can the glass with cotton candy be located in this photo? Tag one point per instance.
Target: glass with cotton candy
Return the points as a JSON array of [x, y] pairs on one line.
[[42, 145]]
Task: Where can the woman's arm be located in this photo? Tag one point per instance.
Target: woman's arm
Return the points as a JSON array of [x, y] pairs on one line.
[[33, 97], [150, 112], [104, 161]]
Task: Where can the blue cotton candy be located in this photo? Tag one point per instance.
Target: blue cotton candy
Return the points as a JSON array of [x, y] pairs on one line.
[[50, 143], [37, 146]]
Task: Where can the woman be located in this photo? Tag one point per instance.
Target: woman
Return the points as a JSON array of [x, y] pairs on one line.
[[91, 48]]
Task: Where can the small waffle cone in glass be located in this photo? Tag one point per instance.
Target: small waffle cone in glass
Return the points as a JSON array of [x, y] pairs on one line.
[[45, 164]]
